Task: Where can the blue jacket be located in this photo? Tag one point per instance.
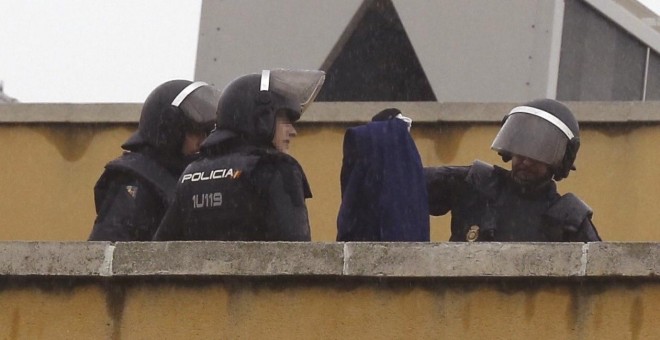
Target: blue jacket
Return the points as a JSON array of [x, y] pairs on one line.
[[383, 188]]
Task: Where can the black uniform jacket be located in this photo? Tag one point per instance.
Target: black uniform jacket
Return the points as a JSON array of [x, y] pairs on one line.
[[244, 194], [131, 198], [487, 205]]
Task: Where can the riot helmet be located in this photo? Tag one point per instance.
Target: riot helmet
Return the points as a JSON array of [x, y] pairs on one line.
[[172, 109], [249, 104], [544, 130]]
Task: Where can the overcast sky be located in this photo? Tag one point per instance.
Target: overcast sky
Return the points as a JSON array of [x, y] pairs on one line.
[[93, 50], [654, 5], [99, 51]]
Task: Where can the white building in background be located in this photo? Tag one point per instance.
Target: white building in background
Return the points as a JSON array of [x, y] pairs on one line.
[[440, 50]]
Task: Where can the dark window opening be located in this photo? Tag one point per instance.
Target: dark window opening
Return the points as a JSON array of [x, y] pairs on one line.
[[375, 61]]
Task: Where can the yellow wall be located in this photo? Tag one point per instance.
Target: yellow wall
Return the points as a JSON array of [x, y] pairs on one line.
[[233, 309], [48, 174]]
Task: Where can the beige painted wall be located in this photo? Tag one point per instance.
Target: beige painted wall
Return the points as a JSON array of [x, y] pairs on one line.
[[49, 170], [253, 309]]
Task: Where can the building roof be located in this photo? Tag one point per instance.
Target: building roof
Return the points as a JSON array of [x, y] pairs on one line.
[[634, 17]]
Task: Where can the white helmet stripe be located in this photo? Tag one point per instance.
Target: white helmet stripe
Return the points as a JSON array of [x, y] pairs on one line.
[[546, 116], [265, 80], [186, 91]]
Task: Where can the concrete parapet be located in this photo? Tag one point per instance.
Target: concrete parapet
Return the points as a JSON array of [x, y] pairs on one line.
[[70, 113], [227, 258], [54, 258], [465, 259], [624, 259], [270, 259], [340, 112]]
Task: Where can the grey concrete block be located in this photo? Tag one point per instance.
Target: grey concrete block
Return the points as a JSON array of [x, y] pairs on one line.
[[339, 112], [227, 258], [624, 259], [119, 113], [53, 258], [464, 260], [353, 259]]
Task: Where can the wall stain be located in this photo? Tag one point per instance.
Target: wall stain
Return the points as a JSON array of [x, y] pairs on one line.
[[447, 139], [598, 317], [71, 141], [614, 130], [467, 315], [238, 305], [577, 311], [115, 301], [530, 304], [441, 304], [15, 324], [636, 317], [581, 309]]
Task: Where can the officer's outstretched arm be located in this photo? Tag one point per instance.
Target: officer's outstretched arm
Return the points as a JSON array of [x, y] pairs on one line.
[[441, 184]]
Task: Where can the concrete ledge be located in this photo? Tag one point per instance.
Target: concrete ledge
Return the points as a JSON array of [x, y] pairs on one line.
[[624, 259], [268, 259], [70, 113], [465, 259], [339, 112], [227, 258], [53, 258]]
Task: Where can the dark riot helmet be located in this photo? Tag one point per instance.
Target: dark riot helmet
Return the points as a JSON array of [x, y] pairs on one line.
[[249, 104], [172, 109], [544, 130]]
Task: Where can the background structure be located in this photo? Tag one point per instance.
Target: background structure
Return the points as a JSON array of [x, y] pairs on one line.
[[447, 51]]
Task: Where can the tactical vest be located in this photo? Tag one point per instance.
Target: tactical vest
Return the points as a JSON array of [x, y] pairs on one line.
[[219, 198], [495, 211], [148, 170]]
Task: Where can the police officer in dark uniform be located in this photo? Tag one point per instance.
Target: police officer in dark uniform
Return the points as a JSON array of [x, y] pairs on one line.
[[489, 203], [245, 187], [135, 189]]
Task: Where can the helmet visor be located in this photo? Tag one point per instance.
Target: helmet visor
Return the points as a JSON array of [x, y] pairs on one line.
[[300, 86], [198, 101], [533, 137]]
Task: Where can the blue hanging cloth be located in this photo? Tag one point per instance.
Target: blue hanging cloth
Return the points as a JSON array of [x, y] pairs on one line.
[[383, 189]]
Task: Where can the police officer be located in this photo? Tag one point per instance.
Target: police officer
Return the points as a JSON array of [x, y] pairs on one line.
[[135, 189], [488, 203], [245, 186]]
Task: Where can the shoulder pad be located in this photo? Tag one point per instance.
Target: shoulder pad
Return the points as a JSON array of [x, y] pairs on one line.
[[148, 170], [238, 162], [482, 177], [570, 210], [246, 162]]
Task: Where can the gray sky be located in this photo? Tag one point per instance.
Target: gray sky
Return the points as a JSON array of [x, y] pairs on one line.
[[99, 51], [654, 5], [93, 50]]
